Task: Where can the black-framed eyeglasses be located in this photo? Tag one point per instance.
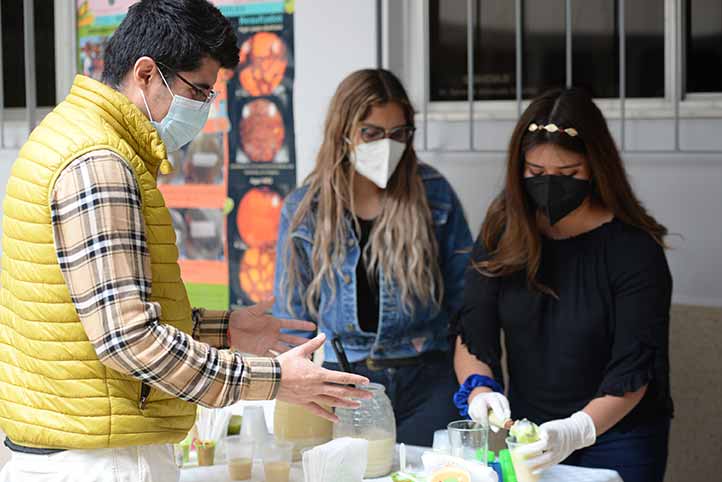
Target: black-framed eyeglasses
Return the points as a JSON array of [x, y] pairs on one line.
[[403, 134], [208, 95]]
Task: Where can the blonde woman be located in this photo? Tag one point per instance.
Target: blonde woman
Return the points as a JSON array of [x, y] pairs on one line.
[[373, 249]]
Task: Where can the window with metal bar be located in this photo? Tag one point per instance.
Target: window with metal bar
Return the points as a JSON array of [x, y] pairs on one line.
[[13, 60], [594, 41]]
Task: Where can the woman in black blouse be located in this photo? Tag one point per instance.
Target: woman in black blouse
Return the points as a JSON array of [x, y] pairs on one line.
[[572, 268]]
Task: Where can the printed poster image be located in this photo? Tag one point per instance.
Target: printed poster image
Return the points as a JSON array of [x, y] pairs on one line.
[[199, 233], [253, 233], [227, 189], [200, 162], [97, 20], [261, 146], [261, 92]]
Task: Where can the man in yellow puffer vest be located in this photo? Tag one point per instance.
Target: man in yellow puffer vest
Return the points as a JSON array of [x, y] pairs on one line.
[[102, 359]]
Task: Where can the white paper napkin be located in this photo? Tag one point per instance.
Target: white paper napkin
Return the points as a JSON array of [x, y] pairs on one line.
[[340, 459]]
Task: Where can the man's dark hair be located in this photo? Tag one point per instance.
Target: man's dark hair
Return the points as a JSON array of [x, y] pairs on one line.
[[175, 33]]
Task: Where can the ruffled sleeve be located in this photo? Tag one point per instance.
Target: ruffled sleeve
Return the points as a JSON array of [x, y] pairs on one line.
[[477, 322], [642, 290]]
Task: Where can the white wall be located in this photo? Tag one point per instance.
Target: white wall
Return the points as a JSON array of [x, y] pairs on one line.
[[686, 196], [333, 38], [336, 37], [683, 191]]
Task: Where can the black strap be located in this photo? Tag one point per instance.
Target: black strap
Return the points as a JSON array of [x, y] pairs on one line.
[[29, 450]]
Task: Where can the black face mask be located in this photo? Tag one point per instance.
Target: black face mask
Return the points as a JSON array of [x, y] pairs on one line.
[[557, 196]]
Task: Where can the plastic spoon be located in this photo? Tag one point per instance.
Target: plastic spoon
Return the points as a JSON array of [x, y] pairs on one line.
[[402, 475]]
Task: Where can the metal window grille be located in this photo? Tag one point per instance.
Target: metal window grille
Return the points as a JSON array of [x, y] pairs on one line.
[[676, 93]]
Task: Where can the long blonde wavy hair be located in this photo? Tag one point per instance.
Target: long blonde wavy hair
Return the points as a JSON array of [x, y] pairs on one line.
[[402, 244]]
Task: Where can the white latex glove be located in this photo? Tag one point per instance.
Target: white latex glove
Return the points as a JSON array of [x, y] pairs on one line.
[[485, 401], [558, 439]]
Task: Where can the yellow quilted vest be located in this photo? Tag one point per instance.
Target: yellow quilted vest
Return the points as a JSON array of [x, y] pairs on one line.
[[54, 392]]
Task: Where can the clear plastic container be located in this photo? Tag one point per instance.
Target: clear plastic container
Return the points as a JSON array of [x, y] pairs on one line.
[[469, 440], [239, 452], [293, 423], [521, 469], [277, 457], [375, 422]]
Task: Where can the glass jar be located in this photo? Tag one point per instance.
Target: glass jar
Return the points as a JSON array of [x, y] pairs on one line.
[[294, 423], [374, 421]]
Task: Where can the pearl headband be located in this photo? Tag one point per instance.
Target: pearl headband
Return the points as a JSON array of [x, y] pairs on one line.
[[570, 131]]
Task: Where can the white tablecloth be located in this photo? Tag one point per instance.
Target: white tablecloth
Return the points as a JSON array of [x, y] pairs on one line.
[[559, 473]]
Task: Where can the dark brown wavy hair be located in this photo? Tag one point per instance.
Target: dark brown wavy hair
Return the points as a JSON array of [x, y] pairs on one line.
[[510, 232]]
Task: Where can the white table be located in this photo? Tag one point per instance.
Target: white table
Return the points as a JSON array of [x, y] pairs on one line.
[[219, 473], [559, 473]]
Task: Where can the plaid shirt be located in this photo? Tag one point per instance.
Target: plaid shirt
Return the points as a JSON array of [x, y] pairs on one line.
[[101, 245]]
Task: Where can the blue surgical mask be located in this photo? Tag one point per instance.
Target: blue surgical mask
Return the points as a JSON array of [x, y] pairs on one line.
[[184, 120]]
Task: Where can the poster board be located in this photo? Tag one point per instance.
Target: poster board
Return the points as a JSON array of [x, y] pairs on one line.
[[226, 192]]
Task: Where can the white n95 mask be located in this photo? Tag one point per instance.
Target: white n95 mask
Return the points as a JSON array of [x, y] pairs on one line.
[[377, 161]]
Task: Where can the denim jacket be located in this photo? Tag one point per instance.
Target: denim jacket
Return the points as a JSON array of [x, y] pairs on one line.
[[400, 334]]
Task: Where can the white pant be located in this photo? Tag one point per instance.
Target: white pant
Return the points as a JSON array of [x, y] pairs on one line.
[[147, 463]]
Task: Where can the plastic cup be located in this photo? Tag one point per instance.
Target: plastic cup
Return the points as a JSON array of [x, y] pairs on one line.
[[522, 470], [185, 448], [186, 452], [441, 442], [178, 455], [277, 457], [302, 453], [239, 452], [254, 424], [206, 453], [469, 440]]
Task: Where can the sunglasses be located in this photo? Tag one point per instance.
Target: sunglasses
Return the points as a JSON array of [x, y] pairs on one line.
[[403, 134], [199, 93]]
